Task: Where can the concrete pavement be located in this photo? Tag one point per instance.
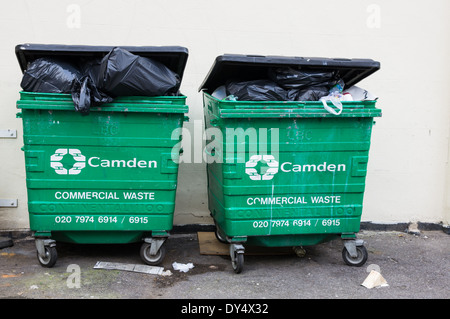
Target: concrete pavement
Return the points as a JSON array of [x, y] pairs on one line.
[[414, 266]]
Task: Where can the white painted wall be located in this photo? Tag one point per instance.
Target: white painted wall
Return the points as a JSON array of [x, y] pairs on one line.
[[409, 174]]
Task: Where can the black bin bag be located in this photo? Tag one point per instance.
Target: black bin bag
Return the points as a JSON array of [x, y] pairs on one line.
[[94, 80], [293, 78], [122, 73], [313, 93], [86, 94], [257, 90], [50, 75]]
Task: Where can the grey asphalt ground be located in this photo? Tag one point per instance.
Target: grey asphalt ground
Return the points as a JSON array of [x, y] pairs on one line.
[[414, 266]]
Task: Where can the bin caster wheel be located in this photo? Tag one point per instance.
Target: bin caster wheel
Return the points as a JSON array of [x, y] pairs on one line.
[[150, 259], [237, 258], [357, 261], [220, 237], [238, 263], [50, 257], [299, 251]]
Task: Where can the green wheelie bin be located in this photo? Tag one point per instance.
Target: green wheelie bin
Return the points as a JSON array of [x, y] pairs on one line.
[[286, 173], [108, 177]]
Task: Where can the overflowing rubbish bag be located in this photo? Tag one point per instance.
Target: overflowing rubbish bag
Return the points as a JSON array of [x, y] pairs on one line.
[[86, 94], [291, 84], [93, 82], [258, 90], [291, 78], [51, 76], [303, 85], [122, 73], [284, 84], [307, 94]]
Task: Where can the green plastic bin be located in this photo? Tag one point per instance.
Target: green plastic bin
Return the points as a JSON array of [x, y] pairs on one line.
[[108, 177], [291, 174]]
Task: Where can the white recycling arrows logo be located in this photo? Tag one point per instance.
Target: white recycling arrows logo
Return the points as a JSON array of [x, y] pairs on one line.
[[80, 161], [250, 167]]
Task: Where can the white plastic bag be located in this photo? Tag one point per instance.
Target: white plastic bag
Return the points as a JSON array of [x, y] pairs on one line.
[[335, 96]]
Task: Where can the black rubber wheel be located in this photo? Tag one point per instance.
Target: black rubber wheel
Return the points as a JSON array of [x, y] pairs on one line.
[[152, 260], [50, 257], [238, 262], [359, 260], [220, 237]]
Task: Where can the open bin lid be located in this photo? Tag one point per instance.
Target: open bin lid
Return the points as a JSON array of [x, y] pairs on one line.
[[251, 67], [174, 57]]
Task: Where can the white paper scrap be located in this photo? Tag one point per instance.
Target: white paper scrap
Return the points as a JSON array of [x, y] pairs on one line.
[[182, 267], [374, 279]]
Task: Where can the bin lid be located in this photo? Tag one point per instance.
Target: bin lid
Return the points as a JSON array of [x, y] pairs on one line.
[[253, 67], [174, 57]]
